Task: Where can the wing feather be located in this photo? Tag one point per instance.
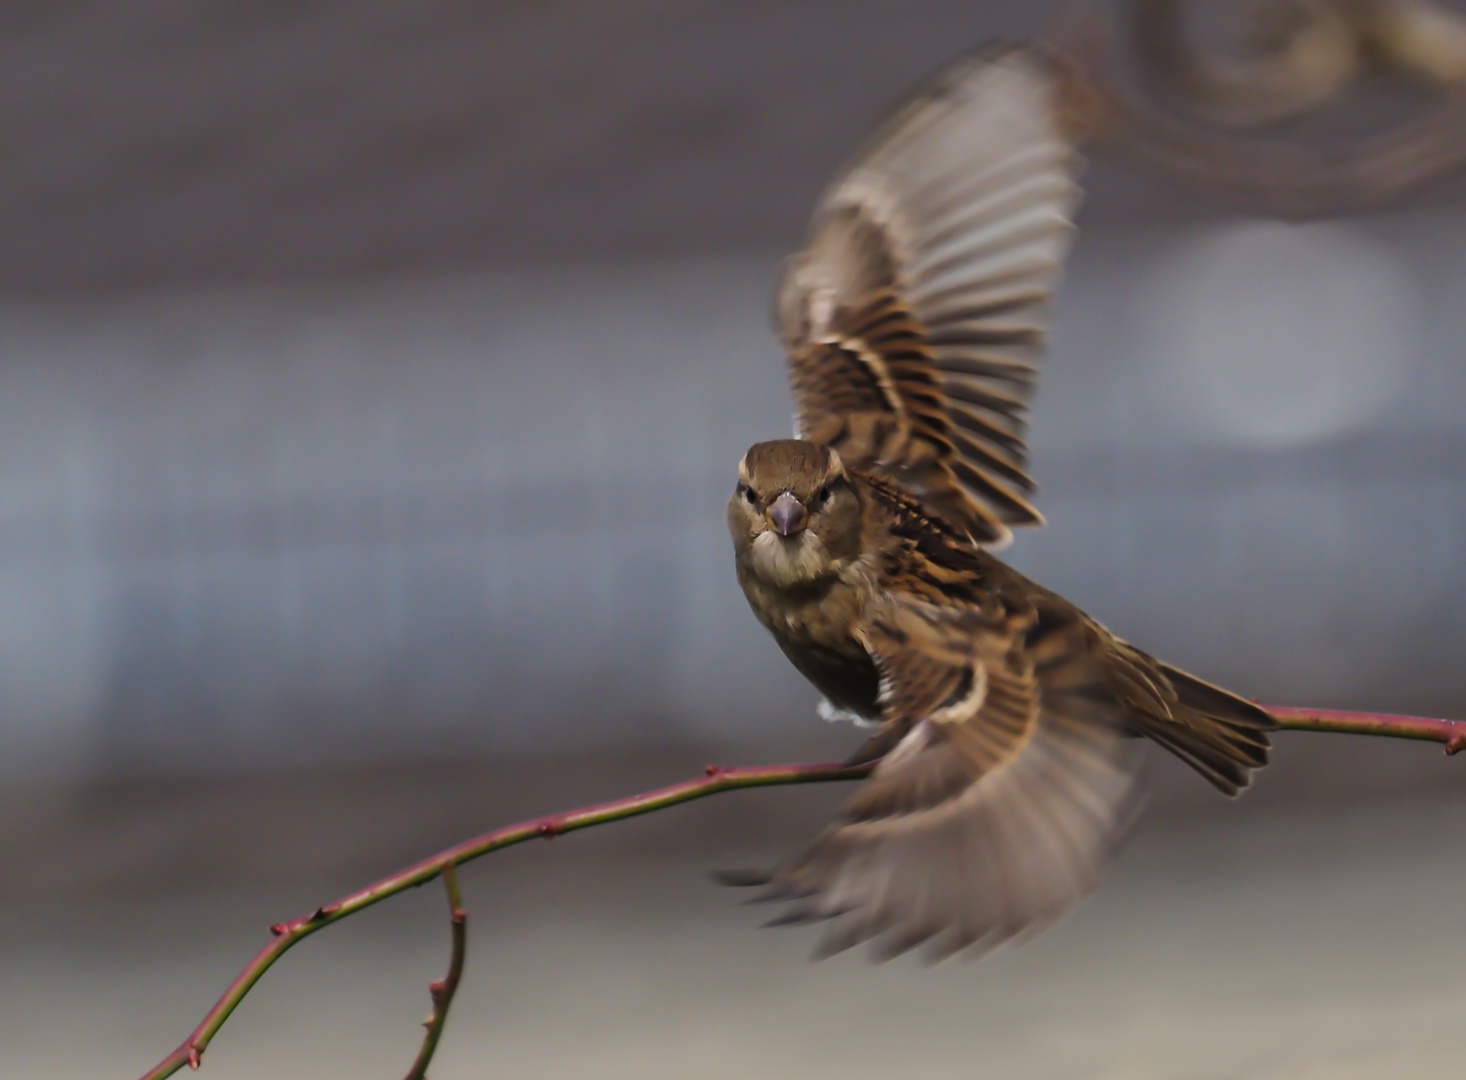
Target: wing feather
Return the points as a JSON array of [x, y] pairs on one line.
[[999, 808], [926, 285]]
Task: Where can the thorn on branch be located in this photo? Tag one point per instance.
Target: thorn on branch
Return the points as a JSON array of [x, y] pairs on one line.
[[549, 829], [713, 770], [279, 929], [194, 1058]]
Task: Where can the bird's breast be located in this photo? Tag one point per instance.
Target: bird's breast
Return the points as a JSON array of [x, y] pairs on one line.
[[816, 629], [822, 614]]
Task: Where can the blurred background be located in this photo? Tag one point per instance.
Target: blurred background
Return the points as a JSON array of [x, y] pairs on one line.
[[372, 379]]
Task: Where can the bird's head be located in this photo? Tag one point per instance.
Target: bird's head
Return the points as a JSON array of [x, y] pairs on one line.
[[794, 516]]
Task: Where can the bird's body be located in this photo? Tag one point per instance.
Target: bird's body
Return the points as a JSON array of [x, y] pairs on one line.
[[817, 623], [897, 554], [1008, 718]]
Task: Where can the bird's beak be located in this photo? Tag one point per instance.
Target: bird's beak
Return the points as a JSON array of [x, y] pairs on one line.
[[786, 515]]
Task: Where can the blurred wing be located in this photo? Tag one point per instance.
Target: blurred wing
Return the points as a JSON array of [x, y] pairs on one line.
[[914, 317], [996, 812]]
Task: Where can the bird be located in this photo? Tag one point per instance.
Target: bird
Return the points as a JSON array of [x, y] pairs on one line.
[[1005, 760]]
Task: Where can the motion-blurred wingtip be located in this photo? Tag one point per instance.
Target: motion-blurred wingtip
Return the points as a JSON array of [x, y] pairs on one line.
[[743, 878]]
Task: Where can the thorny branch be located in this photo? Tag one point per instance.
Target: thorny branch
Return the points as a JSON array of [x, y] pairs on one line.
[[288, 934], [443, 990], [1450, 733]]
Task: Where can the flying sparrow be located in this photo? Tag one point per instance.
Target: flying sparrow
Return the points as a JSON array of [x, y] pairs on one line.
[[1007, 750]]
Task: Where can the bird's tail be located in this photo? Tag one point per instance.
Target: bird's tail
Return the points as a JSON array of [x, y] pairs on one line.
[[1219, 734]]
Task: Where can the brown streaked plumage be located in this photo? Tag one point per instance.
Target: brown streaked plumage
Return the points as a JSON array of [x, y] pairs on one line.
[[1008, 718], [914, 317]]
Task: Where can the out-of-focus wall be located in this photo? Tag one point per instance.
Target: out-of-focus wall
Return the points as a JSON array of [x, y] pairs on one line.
[[476, 514]]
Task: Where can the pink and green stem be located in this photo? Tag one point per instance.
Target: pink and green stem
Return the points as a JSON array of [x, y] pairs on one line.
[[1451, 733]]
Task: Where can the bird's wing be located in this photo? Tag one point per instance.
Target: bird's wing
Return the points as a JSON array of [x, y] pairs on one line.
[[998, 809], [913, 318]]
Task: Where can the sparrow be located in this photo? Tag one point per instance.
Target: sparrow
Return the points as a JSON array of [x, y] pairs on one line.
[[1008, 721]]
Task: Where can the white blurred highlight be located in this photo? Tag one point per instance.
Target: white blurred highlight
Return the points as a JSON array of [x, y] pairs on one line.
[[1275, 334]]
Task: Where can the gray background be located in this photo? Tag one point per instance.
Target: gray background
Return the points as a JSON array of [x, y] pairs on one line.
[[481, 513], [371, 382]]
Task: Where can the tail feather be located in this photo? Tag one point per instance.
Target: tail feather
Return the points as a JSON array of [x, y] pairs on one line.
[[1203, 697], [1215, 762], [1222, 736]]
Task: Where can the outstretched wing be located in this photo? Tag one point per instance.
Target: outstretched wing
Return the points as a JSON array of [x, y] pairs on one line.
[[913, 319], [998, 809]]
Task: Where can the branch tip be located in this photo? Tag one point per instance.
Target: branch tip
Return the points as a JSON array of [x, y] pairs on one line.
[[442, 990]]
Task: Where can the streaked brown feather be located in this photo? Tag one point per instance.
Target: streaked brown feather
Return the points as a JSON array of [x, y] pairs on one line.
[[996, 811], [926, 282]]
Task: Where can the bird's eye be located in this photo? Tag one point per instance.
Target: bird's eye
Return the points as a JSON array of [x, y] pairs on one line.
[[821, 497], [747, 493]]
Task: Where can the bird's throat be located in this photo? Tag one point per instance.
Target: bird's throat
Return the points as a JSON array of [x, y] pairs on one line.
[[788, 562]]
